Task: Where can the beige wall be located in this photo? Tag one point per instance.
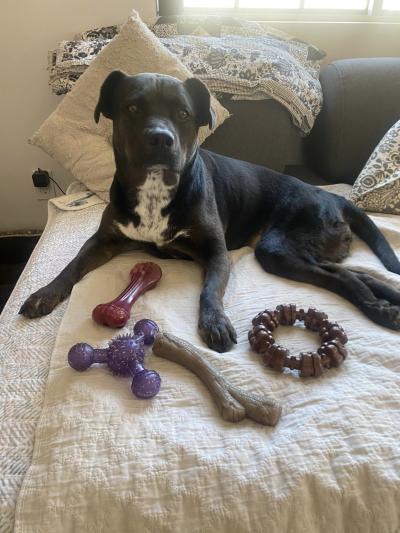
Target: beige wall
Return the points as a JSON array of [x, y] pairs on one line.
[[28, 29]]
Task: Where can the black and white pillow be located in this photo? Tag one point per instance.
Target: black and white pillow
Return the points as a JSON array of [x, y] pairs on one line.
[[377, 188]]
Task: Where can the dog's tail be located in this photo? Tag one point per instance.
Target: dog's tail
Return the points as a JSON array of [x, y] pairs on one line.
[[365, 228]]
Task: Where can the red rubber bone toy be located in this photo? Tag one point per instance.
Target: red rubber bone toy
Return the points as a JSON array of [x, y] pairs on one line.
[[115, 314]]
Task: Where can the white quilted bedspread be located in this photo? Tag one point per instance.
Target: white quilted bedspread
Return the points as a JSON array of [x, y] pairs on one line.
[[105, 461], [26, 347]]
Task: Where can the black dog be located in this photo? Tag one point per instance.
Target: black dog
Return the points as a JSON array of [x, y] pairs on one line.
[[170, 196]]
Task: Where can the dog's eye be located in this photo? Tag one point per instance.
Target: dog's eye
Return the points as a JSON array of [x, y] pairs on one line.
[[132, 108], [183, 114]]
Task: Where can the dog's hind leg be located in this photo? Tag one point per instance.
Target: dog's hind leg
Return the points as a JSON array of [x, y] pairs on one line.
[[278, 255], [381, 289]]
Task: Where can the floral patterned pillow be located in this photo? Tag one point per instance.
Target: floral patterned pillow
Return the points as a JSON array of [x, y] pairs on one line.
[[377, 188]]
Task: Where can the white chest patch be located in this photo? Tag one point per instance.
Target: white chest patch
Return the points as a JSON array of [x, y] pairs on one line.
[[153, 196]]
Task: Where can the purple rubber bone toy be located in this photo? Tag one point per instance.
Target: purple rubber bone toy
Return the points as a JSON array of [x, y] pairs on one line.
[[124, 356]]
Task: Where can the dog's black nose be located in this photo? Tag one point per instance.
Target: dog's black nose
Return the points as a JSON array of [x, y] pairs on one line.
[[159, 138]]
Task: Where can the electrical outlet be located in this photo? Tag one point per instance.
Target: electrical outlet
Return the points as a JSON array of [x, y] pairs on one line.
[[44, 193]]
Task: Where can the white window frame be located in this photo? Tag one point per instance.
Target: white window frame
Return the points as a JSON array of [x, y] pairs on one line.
[[373, 13]]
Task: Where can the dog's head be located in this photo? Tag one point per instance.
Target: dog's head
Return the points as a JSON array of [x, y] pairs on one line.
[[155, 118]]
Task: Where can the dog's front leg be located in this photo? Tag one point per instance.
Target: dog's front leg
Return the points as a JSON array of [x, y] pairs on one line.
[[95, 252], [215, 327]]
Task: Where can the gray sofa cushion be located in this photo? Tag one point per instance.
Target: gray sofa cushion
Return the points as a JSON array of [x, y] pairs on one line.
[[361, 102], [259, 131]]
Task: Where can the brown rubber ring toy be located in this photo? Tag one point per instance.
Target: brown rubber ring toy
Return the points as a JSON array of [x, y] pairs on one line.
[[331, 353]]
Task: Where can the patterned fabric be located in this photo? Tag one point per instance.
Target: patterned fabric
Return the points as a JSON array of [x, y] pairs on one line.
[[106, 32], [70, 60], [377, 188], [207, 26], [254, 68], [26, 347], [244, 61], [221, 27]]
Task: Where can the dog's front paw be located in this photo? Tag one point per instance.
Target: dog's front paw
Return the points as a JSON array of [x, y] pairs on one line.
[[42, 302], [384, 313], [217, 331]]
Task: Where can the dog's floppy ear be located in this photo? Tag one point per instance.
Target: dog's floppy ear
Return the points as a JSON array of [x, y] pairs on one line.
[[201, 98], [105, 103]]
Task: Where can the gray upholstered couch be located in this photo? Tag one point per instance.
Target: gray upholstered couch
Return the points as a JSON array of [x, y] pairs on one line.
[[361, 102]]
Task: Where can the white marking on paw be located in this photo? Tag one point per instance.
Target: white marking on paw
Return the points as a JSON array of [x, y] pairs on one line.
[[37, 303], [153, 197]]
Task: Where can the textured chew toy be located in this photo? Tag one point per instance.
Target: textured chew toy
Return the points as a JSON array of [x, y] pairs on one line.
[[331, 353], [120, 353], [115, 314], [124, 356], [233, 403]]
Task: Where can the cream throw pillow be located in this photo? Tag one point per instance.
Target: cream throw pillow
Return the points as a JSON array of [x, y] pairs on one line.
[[377, 188], [70, 134]]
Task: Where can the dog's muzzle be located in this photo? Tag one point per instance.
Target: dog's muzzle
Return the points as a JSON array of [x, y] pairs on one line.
[[159, 138], [160, 146]]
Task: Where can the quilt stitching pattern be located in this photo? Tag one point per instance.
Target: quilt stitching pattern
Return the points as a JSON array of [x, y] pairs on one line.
[[25, 350]]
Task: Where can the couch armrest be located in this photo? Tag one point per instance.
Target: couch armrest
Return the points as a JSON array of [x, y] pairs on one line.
[[361, 102]]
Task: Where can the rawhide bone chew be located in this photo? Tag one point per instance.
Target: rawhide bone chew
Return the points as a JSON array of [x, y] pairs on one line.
[[233, 403], [331, 353], [115, 314]]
